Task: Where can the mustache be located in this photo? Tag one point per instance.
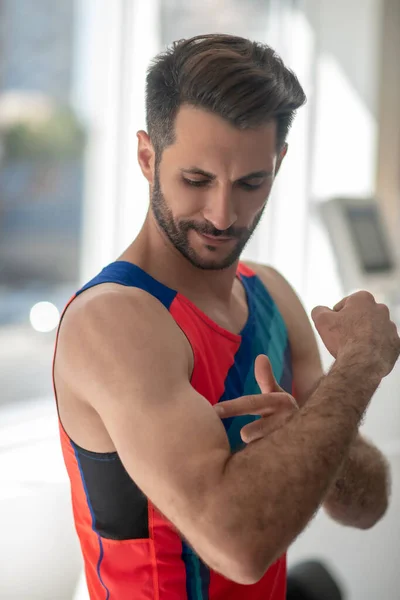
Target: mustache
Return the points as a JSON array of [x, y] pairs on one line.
[[207, 229]]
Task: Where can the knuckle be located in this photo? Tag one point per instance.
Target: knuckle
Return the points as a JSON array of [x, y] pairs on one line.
[[289, 401], [383, 309], [257, 429], [365, 296], [252, 402], [286, 413]]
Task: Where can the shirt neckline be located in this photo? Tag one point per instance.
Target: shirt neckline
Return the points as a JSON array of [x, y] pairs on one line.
[[236, 337]]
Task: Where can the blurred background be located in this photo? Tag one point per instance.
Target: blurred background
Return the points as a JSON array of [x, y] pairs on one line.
[[72, 77]]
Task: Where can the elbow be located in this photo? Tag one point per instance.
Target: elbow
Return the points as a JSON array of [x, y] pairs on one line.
[[232, 559], [243, 575], [246, 566], [252, 569], [244, 572], [369, 521], [362, 518], [233, 549], [365, 522], [238, 569]]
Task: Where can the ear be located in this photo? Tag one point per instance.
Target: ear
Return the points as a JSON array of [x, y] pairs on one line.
[[281, 156], [146, 155]]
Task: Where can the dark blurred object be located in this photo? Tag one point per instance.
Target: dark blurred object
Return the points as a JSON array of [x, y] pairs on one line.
[[311, 580]]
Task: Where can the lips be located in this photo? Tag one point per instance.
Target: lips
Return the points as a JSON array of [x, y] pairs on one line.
[[215, 240], [217, 237]]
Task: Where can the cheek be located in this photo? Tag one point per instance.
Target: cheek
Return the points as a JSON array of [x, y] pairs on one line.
[[250, 208], [183, 202]]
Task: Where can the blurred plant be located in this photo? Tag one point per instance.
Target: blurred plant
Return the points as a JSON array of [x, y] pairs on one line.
[[61, 135]]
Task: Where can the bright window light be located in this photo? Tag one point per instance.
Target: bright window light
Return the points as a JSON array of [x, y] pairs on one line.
[[44, 317]]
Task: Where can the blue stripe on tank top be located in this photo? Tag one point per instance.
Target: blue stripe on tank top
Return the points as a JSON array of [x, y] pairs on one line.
[[128, 274], [244, 361], [270, 337], [197, 574], [277, 343], [279, 348]]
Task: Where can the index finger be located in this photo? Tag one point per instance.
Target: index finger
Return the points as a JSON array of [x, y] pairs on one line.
[[254, 404]]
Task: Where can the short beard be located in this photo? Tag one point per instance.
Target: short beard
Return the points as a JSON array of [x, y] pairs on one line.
[[178, 233]]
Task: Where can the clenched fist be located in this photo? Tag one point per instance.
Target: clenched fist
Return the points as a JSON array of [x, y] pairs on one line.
[[361, 330]]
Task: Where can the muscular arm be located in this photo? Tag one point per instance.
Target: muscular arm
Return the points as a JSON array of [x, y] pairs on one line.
[[278, 482], [360, 493], [124, 355]]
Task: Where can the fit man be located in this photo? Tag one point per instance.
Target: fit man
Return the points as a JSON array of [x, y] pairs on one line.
[[194, 459]]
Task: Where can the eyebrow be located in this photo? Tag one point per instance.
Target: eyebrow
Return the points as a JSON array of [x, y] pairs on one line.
[[212, 176]]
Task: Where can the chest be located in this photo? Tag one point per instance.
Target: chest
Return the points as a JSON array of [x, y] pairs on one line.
[[231, 317], [224, 360], [224, 367]]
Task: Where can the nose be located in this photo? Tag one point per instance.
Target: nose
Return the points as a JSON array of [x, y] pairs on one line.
[[220, 209]]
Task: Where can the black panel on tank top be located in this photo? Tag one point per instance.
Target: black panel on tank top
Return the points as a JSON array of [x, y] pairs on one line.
[[118, 506]]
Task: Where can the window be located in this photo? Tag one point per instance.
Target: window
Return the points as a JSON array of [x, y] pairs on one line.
[[42, 141]]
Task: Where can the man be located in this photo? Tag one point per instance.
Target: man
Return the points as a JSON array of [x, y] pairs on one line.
[[187, 482]]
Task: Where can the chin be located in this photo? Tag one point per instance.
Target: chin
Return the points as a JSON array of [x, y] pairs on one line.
[[211, 264]]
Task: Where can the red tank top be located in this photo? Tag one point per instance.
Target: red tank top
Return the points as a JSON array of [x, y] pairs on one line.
[[130, 551]]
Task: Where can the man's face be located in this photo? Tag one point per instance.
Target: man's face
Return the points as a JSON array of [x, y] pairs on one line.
[[213, 181]]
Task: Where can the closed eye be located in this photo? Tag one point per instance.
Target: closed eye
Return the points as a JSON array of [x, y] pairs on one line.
[[196, 182], [203, 182], [249, 186]]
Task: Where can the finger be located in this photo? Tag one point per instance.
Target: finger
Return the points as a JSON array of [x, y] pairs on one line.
[[263, 427], [265, 376], [318, 311], [256, 404], [340, 304]]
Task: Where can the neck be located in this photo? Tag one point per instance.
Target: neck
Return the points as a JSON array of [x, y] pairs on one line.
[[154, 253]]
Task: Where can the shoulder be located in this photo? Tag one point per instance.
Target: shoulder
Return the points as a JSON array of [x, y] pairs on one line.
[[112, 323], [114, 302], [110, 308], [281, 291]]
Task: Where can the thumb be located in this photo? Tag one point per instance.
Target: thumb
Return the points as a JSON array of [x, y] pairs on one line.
[[264, 375]]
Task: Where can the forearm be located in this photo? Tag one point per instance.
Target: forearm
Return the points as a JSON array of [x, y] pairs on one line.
[[360, 493], [271, 489]]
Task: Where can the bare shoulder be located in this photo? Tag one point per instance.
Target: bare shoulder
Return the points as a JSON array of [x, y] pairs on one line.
[[113, 330], [109, 303]]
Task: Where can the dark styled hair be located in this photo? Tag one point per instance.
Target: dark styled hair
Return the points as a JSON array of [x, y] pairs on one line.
[[241, 81]]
